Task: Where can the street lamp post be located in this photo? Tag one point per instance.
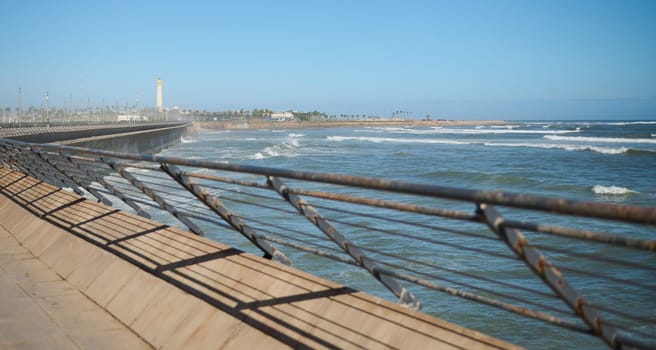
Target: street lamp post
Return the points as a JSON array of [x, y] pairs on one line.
[[20, 106], [47, 112]]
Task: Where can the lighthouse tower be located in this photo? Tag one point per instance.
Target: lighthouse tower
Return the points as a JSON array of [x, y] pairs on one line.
[[159, 95]]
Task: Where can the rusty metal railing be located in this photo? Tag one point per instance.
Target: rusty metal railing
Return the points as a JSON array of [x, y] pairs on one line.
[[587, 267]]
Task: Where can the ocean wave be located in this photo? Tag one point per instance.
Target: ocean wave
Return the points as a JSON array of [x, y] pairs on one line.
[[286, 149], [296, 135], [186, 139], [478, 130], [396, 140], [509, 126], [496, 131], [567, 147], [629, 123], [598, 139], [604, 150], [614, 190]]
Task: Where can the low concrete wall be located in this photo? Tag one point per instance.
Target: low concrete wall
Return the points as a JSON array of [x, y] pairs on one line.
[[139, 141]]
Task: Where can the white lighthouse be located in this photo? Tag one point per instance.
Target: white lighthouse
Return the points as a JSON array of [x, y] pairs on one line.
[[159, 95]]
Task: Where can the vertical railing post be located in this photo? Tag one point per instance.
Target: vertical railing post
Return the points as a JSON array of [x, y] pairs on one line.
[[73, 178], [54, 172], [10, 158], [154, 196], [549, 274], [214, 204], [405, 297], [115, 192]]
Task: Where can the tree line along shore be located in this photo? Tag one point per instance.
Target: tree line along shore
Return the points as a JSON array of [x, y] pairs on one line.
[[263, 124]]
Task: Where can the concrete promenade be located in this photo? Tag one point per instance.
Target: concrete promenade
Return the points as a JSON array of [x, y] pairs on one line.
[[78, 274]]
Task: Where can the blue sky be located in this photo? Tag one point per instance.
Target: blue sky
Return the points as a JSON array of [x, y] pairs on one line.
[[452, 59]]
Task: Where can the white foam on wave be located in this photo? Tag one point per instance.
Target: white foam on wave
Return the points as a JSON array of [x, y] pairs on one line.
[[286, 148], [509, 126], [604, 150], [613, 190], [630, 123], [396, 140], [567, 147], [478, 130], [497, 131], [184, 139], [598, 139], [296, 135]]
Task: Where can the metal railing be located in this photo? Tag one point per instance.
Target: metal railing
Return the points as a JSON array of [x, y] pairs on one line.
[[587, 267]]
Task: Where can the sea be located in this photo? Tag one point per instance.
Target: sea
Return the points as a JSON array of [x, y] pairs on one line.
[[606, 161]]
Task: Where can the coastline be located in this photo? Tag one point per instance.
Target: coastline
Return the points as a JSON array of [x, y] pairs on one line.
[[260, 124]]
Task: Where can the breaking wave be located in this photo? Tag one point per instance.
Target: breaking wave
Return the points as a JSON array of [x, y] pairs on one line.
[[611, 190], [630, 123], [479, 130], [285, 149], [566, 147], [397, 140], [604, 150], [598, 139]]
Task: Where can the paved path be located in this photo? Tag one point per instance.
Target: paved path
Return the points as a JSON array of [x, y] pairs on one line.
[[40, 310]]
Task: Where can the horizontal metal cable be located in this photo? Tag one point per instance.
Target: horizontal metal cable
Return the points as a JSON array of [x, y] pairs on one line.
[[153, 175], [596, 257], [259, 205], [478, 288], [274, 198], [261, 185], [406, 222], [135, 200], [451, 214], [139, 166], [629, 330], [317, 252], [596, 275], [620, 313], [287, 229], [210, 219], [428, 240], [585, 235], [491, 302], [305, 241], [456, 272]]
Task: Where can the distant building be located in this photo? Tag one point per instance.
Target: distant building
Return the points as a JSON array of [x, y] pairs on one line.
[[159, 95], [129, 118], [282, 116]]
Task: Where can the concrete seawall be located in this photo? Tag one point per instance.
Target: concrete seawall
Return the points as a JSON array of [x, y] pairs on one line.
[[133, 141], [119, 138]]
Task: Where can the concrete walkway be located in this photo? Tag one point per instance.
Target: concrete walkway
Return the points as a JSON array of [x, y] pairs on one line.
[[40, 310], [176, 290]]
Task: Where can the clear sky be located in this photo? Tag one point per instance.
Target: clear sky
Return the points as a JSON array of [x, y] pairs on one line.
[[453, 59]]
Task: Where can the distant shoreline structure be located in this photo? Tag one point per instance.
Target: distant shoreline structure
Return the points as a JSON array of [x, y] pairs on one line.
[[259, 124]]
